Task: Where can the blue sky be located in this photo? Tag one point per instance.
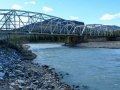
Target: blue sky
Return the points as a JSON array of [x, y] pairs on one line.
[[88, 11]]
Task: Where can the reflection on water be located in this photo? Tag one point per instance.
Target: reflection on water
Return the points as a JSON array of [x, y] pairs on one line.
[[97, 68]]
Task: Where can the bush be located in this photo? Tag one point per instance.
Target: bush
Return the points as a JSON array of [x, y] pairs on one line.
[[16, 40]]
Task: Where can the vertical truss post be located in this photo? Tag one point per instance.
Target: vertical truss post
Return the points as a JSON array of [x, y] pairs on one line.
[[67, 28], [57, 26], [41, 23], [51, 31], [60, 27], [29, 22], [112, 32], [94, 29], [90, 31], [5, 21], [14, 20], [19, 21]]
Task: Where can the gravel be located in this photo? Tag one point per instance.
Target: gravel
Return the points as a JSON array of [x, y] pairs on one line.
[[19, 74], [107, 44]]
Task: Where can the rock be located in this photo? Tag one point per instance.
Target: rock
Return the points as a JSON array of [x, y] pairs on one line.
[[6, 75], [40, 85], [16, 87], [21, 75], [1, 69], [1, 81], [12, 84], [18, 66], [67, 73], [45, 66], [20, 87], [36, 82], [11, 75], [18, 71], [28, 88], [10, 69], [85, 86], [11, 88], [28, 55], [76, 86], [2, 74], [20, 81]]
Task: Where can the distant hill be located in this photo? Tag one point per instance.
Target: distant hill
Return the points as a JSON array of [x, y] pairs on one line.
[[112, 27], [105, 27], [44, 23], [77, 22]]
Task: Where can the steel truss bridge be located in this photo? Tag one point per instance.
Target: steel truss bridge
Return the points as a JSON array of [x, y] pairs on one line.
[[39, 23]]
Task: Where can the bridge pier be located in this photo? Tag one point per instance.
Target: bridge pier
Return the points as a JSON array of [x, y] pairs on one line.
[[73, 40]]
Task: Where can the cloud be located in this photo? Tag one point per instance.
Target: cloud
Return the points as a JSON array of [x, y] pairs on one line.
[[15, 6], [74, 17], [110, 17], [47, 9], [26, 2], [32, 2]]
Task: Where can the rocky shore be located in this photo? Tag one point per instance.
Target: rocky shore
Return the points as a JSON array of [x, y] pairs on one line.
[[107, 44], [19, 73]]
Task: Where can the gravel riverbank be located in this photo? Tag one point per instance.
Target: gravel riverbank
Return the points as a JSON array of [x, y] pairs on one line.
[[18, 73], [107, 44]]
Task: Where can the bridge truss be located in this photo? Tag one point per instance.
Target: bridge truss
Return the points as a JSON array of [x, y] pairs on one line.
[[33, 22]]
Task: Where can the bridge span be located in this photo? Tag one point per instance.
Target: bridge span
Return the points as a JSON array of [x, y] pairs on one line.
[[33, 22], [26, 22]]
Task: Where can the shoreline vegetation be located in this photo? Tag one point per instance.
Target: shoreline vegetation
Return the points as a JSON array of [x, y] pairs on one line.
[[87, 41]]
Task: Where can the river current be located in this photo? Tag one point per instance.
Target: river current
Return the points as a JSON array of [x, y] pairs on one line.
[[97, 68]]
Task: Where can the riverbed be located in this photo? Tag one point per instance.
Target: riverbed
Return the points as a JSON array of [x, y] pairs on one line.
[[96, 68]]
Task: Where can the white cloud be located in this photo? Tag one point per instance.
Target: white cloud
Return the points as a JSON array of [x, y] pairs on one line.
[[15, 6], [26, 2], [109, 17], [74, 17], [32, 2], [47, 9]]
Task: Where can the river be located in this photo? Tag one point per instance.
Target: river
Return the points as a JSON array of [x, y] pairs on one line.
[[97, 68]]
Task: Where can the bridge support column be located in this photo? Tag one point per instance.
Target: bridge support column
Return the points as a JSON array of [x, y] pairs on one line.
[[73, 40]]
